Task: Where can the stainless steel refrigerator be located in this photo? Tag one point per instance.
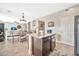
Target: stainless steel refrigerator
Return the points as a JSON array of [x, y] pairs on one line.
[[76, 35]]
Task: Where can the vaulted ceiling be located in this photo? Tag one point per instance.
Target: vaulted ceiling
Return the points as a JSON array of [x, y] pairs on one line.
[[12, 11]]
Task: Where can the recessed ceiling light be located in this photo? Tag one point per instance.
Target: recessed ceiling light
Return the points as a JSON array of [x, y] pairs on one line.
[[70, 9], [9, 11], [66, 9]]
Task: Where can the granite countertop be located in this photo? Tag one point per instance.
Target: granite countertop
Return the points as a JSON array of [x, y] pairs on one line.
[[41, 36]]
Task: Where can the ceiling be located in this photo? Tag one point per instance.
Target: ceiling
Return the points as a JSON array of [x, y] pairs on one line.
[[12, 11]]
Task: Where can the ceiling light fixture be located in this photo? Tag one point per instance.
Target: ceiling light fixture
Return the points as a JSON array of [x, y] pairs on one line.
[[16, 22], [69, 9], [9, 11], [23, 17]]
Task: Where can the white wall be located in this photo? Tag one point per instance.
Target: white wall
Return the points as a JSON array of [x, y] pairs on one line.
[[67, 30], [64, 25]]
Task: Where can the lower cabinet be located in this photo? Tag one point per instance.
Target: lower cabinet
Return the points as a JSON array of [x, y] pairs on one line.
[[36, 46], [52, 42], [45, 46]]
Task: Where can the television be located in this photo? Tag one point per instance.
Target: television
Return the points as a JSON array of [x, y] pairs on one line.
[[49, 31], [13, 28]]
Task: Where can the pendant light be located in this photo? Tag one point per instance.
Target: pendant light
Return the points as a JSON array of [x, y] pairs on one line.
[[23, 17]]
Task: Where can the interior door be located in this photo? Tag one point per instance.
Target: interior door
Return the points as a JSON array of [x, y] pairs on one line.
[[66, 31], [76, 33]]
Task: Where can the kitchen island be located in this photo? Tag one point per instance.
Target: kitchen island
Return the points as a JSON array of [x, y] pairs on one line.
[[43, 45]]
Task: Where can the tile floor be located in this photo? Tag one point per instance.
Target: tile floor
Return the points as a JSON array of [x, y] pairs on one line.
[[21, 49], [62, 50], [16, 49]]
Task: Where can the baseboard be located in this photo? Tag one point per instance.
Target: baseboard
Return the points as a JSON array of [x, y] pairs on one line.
[[65, 43]]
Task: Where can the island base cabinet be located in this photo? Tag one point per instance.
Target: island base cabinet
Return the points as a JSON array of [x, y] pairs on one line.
[[37, 47], [52, 43], [42, 46], [46, 48]]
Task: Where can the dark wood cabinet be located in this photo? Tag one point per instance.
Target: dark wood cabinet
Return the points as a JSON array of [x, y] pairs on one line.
[[52, 42], [45, 46], [42, 46]]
